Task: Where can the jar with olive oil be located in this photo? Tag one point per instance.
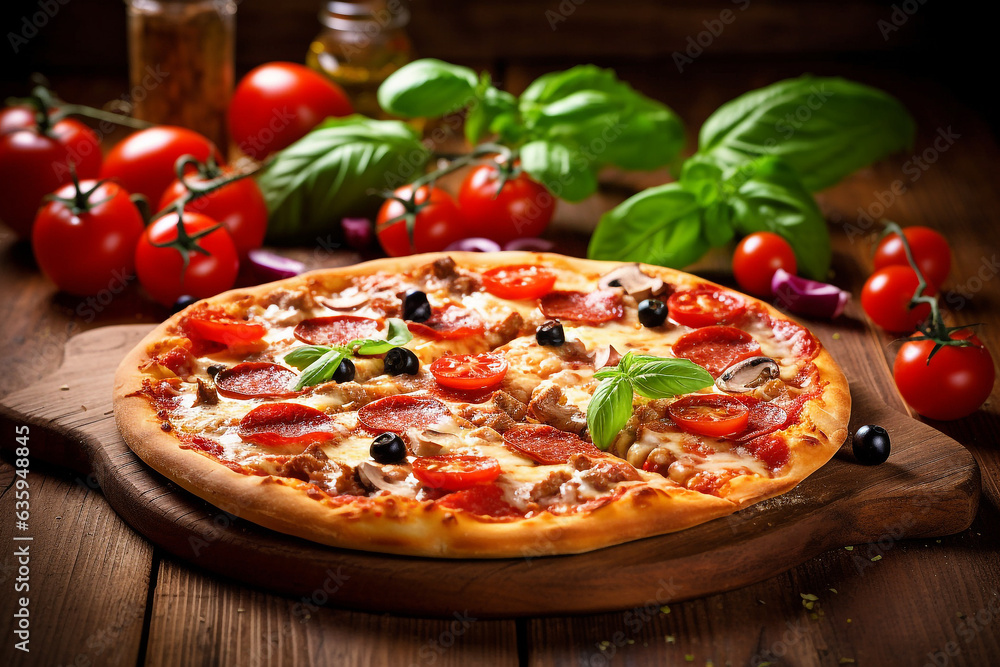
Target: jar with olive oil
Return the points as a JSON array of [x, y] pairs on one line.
[[362, 43]]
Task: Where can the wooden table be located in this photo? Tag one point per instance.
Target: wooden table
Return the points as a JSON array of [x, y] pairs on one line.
[[103, 595]]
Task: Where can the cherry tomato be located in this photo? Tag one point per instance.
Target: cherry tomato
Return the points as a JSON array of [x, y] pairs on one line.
[[712, 415], [161, 270], [522, 208], [91, 251], [519, 282], [468, 371], [143, 162], [438, 224], [240, 206], [705, 306], [34, 164], [952, 385], [277, 104], [886, 298], [454, 473], [756, 260], [930, 251], [226, 330]]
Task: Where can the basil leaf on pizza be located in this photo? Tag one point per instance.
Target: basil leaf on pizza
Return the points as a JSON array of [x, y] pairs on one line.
[[397, 335], [322, 369], [647, 375]]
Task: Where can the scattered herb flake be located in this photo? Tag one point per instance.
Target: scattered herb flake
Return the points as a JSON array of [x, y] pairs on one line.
[[846, 661], [688, 657], [665, 609], [836, 335], [630, 641], [849, 621], [832, 590], [670, 639], [876, 558], [848, 548], [814, 616], [808, 596]]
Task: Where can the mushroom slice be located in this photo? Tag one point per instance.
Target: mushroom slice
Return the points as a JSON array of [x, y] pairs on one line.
[[605, 355], [428, 442], [745, 375], [391, 478], [343, 301], [633, 280]]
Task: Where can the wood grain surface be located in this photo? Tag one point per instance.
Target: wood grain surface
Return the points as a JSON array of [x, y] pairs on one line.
[[918, 604]]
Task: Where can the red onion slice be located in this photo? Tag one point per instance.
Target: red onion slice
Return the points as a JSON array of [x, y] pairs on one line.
[[358, 232], [808, 297], [530, 243], [475, 244], [269, 266]]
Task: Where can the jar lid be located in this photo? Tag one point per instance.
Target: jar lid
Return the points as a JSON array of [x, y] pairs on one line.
[[352, 15]]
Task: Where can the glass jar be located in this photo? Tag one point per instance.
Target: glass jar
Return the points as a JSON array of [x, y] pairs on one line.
[[181, 55], [362, 43]]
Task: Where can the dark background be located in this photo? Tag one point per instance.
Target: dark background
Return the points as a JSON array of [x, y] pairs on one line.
[[951, 43]]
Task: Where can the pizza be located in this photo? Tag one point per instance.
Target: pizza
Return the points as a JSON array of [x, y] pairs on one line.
[[482, 405]]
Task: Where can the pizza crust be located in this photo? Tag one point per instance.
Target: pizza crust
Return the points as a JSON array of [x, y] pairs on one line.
[[410, 527]]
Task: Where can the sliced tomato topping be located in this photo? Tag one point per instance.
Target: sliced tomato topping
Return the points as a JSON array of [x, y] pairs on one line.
[[399, 412], [256, 379], [716, 348], [771, 450], [713, 415], [519, 281], [545, 444], [594, 307], [454, 473], [448, 323], [276, 424], [226, 330], [335, 330], [481, 500], [705, 306], [470, 371], [764, 418]]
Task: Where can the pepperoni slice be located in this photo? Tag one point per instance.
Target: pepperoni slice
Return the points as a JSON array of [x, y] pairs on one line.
[[545, 444], [448, 323], [764, 418], [595, 307], [256, 379], [335, 330], [399, 412], [277, 424], [771, 450], [804, 344], [225, 330], [716, 348], [481, 500]]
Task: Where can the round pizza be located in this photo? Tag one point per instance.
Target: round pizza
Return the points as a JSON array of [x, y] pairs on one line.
[[482, 405]]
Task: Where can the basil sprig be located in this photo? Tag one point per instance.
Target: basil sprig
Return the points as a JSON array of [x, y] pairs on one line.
[[334, 172], [652, 377], [760, 157], [566, 125], [318, 363]]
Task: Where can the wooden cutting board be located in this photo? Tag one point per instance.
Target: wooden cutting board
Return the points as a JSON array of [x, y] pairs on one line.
[[929, 487]]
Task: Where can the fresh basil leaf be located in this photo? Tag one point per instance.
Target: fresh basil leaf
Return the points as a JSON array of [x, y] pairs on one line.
[[301, 357], [609, 410], [767, 195], [660, 225], [665, 377], [333, 172], [609, 372], [427, 88], [825, 128], [493, 112], [563, 170], [602, 117], [322, 369], [397, 335]]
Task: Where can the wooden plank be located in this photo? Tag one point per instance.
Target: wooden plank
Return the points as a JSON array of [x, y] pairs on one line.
[[204, 620], [88, 573]]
